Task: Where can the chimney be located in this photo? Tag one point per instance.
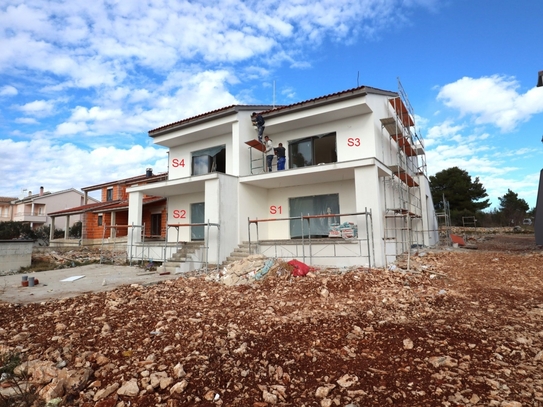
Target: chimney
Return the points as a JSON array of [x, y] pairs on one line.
[[29, 193], [41, 191], [149, 172]]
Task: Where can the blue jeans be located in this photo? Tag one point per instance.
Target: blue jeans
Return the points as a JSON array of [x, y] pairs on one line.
[[269, 160], [281, 163]]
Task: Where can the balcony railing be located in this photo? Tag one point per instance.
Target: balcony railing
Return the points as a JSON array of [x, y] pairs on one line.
[[29, 216]]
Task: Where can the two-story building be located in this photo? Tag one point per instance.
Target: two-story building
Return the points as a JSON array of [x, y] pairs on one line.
[[35, 209], [6, 208], [354, 190], [107, 218]]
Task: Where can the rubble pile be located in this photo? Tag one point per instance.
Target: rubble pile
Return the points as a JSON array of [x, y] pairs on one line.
[[461, 328], [256, 267], [77, 257]]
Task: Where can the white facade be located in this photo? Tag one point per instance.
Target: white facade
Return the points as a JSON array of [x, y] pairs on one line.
[[349, 165], [35, 208]]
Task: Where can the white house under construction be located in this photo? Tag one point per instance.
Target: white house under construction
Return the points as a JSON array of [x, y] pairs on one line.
[[354, 190]]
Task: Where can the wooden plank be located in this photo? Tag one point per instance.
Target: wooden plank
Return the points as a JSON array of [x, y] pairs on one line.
[[256, 144]]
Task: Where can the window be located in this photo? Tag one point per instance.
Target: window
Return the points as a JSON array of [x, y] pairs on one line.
[[313, 151], [109, 194], [100, 219], [209, 160], [156, 224], [197, 215], [313, 205]]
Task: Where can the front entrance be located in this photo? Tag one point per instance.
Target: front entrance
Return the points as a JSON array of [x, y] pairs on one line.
[[197, 215]]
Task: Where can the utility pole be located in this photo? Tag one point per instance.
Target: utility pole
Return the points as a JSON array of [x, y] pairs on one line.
[[539, 204]]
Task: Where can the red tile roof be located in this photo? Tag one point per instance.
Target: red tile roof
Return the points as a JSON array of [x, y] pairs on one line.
[[104, 206], [82, 209], [269, 109], [144, 177], [218, 112]]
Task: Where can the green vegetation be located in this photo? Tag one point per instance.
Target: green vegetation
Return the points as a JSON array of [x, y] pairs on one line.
[[24, 394], [466, 198]]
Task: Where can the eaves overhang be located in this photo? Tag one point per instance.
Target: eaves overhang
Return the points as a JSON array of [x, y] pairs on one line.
[[205, 118], [326, 100], [176, 187]]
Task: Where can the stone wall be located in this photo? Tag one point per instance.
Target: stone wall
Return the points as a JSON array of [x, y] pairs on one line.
[[15, 254]]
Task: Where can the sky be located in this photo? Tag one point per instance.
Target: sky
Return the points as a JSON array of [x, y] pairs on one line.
[[82, 83]]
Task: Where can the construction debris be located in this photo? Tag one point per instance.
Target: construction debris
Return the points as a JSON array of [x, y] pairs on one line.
[[462, 330]]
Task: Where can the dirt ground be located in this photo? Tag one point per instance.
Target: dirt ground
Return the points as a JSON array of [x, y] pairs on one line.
[[462, 327]]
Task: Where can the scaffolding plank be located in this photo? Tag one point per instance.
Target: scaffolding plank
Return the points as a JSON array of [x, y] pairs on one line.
[[405, 145], [389, 123], [404, 176], [402, 112], [256, 144]]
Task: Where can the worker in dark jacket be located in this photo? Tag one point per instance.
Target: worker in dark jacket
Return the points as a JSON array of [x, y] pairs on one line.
[[281, 159]]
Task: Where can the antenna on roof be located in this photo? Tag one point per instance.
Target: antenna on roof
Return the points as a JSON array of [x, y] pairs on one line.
[[274, 94]]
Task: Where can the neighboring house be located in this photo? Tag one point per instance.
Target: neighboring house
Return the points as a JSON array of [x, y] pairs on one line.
[[354, 161], [6, 208], [34, 209], [109, 217]]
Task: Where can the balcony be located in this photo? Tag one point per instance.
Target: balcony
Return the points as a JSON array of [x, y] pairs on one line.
[[29, 216]]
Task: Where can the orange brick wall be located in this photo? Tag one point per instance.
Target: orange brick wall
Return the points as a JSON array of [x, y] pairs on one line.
[[146, 218], [91, 230], [119, 192]]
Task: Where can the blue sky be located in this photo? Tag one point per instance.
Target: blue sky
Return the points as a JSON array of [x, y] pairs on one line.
[[81, 83]]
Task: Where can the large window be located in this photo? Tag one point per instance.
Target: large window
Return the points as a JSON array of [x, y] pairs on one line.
[[209, 160], [313, 151], [109, 194], [313, 205]]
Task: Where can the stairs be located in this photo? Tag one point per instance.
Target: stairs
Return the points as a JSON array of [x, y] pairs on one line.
[[186, 259], [241, 252]]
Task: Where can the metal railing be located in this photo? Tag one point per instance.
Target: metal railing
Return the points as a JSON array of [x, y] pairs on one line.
[[207, 225], [316, 247]]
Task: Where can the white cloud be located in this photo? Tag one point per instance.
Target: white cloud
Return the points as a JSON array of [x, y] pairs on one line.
[[39, 108], [492, 100], [8, 91], [26, 120], [65, 165]]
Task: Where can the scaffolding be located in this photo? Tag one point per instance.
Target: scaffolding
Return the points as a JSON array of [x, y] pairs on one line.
[[204, 259], [258, 160], [403, 220], [444, 223], [360, 245], [115, 253]]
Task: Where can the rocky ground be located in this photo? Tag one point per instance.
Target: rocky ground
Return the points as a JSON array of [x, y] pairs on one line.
[[462, 327]]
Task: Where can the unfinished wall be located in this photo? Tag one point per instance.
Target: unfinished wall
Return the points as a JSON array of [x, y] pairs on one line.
[[15, 254]]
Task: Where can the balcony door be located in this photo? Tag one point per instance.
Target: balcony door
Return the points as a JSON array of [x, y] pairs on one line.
[[197, 215]]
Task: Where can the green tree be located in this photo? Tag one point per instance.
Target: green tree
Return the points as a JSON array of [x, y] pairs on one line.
[[458, 188], [465, 196], [16, 230], [513, 208], [75, 230]]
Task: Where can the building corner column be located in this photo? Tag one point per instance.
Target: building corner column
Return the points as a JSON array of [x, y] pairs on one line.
[[135, 216]]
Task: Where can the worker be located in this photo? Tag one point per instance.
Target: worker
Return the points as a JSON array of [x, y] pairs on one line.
[[269, 152], [281, 159]]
